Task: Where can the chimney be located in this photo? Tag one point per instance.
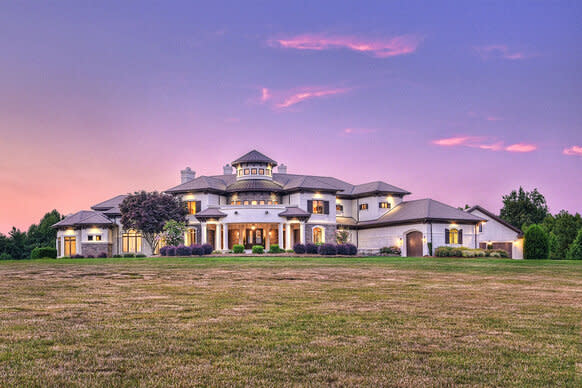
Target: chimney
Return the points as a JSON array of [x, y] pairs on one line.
[[282, 169], [187, 175], [227, 169]]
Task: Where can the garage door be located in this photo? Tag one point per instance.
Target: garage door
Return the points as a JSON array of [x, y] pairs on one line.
[[414, 244], [506, 246]]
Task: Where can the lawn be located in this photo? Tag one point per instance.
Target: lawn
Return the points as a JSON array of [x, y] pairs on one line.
[[290, 321]]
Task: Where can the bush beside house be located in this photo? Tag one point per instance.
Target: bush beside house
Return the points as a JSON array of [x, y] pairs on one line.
[[536, 243], [43, 252]]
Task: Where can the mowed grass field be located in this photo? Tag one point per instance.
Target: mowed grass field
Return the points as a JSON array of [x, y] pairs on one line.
[[290, 322]]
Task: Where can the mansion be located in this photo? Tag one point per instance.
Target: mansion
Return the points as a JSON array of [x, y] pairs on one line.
[[256, 202]]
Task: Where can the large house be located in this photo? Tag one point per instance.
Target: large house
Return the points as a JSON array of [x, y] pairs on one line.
[[252, 204]]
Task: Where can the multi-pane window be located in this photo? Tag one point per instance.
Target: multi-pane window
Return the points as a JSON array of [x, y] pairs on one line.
[[70, 246], [317, 236], [247, 171], [453, 236], [480, 228], [131, 241], [384, 205], [363, 206], [191, 237], [254, 171], [94, 237], [317, 207], [339, 208], [261, 171], [192, 207]]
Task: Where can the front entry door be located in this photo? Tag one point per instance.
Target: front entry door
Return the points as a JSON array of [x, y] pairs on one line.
[[254, 237], [414, 244]]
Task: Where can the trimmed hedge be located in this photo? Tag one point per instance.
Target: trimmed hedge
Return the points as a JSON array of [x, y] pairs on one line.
[[207, 249], [468, 252], [393, 250], [170, 250], [140, 255], [311, 248], [274, 248], [42, 252], [197, 250], [238, 248], [129, 255], [258, 249], [299, 249], [77, 256], [183, 250], [327, 250], [536, 244], [102, 255]]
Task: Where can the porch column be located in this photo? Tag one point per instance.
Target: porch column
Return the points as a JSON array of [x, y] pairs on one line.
[[280, 236], [204, 234], [288, 244], [268, 238], [225, 232], [240, 235], [302, 232], [217, 237]]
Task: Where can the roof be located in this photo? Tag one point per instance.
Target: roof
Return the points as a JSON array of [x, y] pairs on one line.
[[205, 183], [211, 212], [494, 217], [254, 156], [114, 211], [110, 203], [423, 210], [377, 187], [254, 185], [346, 220], [294, 212], [84, 217]]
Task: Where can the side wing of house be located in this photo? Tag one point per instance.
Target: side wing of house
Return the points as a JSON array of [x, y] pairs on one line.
[[498, 234]]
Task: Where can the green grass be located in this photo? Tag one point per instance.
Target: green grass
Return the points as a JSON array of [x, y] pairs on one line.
[[290, 321]]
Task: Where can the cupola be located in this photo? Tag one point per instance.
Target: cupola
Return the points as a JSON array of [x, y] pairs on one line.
[[254, 165]]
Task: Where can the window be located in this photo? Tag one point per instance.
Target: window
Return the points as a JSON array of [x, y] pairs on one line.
[[269, 172], [262, 202], [261, 171], [317, 207], [191, 237], [254, 171], [131, 241], [363, 206], [193, 207], [247, 171], [58, 246], [384, 205], [269, 202], [246, 203], [480, 228], [254, 202], [339, 208], [453, 236], [317, 236], [70, 246], [94, 237]]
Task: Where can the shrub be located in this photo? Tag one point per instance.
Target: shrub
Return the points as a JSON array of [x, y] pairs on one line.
[[429, 245], [274, 248], [197, 250], [41, 252], [207, 248], [5, 256], [327, 250], [536, 244], [238, 248], [352, 249], [117, 256], [77, 256], [311, 248], [299, 249], [575, 249], [171, 250], [342, 249], [289, 250], [129, 255], [258, 249], [164, 251], [443, 252], [102, 255], [140, 255], [90, 257], [501, 253], [183, 250], [393, 250]]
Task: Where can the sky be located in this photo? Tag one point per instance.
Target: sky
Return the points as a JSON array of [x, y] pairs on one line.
[[460, 101]]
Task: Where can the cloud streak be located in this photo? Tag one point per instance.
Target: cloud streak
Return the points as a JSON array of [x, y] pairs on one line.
[[379, 48], [283, 99], [479, 142], [500, 51], [358, 131], [573, 151]]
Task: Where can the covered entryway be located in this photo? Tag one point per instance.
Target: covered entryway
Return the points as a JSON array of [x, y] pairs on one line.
[[414, 244]]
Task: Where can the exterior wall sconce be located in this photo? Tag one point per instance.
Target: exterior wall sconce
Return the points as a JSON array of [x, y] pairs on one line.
[[236, 212], [266, 212]]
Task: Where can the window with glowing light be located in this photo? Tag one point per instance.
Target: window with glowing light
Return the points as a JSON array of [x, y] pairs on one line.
[[363, 206], [453, 236], [192, 208], [317, 207], [70, 246], [317, 236], [131, 242], [247, 171], [339, 208], [261, 171], [385, 205], [254, 171]]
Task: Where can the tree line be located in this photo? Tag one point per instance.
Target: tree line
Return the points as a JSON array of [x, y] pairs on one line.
[[18, 245]]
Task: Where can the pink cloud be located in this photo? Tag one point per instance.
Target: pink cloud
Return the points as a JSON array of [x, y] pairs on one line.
[[454, 141], [573, 151], [379, 48], [521, 147], [358, 131], [265, 95], [492, 147], [306, 94], [500, 51]]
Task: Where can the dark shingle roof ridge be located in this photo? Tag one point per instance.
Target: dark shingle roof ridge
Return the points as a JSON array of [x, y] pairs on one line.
[[106, 203], [495, 217], [254, 156]]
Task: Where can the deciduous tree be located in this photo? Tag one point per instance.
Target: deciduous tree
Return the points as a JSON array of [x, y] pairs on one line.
[[522, 208]]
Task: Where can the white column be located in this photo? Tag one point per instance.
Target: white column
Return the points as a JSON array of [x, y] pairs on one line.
[[302, 232], [280, 236], [225, 232], [217, 238], [204, 233], [268, 238], [288, 244]]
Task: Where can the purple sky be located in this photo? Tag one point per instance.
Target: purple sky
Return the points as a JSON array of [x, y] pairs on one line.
[[461, 102]]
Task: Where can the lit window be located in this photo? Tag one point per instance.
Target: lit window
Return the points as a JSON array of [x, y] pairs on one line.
[[246, 203], [339, 208], [269, 202], [385, 205], [262, 202], [70, 246], [453, 236], [191, 207], [254, 202], [247, 171], [261, 171], [363, 206], [254, 171], [269, 171], [94, 237], [191, 237], [131, 241], [317, 236], [317, 207], [275, 202]]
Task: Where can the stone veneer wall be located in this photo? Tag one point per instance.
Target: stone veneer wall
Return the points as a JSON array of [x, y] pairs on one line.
[[95, 249], [329, 233]]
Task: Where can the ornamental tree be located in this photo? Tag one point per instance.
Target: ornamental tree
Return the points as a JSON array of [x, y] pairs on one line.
[[148, 212], [342, 236], [174, 232], [536, 244]]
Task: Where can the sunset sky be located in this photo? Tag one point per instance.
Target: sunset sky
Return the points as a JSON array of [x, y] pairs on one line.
[[461, 102]]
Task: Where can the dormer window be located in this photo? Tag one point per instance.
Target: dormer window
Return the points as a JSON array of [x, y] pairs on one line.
[[254, 171], [247, 171], [385, 205], [261, 171]]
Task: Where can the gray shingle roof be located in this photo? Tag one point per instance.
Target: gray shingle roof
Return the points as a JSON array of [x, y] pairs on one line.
[[423, 210], [294, 211], [254, 156], [495, 217], [253, 185], [205, 183], [84, 217], [110, 203], [211, 212], [377, 187]]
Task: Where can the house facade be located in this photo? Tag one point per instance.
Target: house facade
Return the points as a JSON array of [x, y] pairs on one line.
[[255, 201]]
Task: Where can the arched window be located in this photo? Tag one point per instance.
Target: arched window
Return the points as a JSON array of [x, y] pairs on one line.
[[453, 236], [317, 235]]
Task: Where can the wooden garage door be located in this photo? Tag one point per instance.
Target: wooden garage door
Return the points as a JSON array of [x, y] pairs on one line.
[[414, 244], [506, 246]]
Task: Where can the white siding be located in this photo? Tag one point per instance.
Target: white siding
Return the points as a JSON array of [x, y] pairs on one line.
[[494, 231]]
